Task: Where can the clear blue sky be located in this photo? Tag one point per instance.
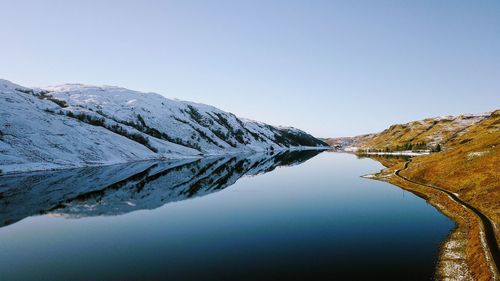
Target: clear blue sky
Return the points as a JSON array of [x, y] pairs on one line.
[[332, 68]]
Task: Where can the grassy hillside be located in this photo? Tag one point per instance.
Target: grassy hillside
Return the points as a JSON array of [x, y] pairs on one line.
[[428, 134], [469, 166]]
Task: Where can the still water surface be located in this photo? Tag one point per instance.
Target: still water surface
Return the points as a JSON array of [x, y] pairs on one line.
[[289, 216]]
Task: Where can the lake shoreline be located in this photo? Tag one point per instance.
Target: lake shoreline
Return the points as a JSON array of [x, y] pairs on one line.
[[463, 255]]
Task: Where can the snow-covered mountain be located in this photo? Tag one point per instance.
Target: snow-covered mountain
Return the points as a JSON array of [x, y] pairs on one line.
[[76, 125]]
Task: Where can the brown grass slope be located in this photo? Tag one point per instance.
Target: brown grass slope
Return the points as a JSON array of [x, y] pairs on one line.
[[468, 167], [423, 134]]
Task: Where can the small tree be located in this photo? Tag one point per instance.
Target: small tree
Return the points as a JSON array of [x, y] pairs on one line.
[[141, 120]]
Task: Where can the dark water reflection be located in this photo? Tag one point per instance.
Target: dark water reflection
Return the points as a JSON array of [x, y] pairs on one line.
[[119, 189], [314, 221]]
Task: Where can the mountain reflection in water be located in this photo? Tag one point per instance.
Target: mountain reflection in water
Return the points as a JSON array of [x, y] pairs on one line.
[[120, 189]]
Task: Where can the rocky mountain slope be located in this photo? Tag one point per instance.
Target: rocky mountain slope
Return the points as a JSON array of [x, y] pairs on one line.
[[76, 125]]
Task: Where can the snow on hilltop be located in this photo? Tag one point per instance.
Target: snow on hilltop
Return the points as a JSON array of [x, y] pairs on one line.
[[76, 125]]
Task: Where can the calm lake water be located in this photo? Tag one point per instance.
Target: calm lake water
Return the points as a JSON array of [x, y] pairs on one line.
[[289, 216]]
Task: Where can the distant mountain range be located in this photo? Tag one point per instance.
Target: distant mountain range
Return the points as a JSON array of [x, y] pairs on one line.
[[77, 125]]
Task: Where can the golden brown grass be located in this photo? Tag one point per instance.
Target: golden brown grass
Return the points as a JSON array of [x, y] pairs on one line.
[[468, 167], [468, 228], [428, 131]]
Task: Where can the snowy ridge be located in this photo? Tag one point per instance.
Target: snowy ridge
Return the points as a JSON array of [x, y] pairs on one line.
[[75, 125]]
